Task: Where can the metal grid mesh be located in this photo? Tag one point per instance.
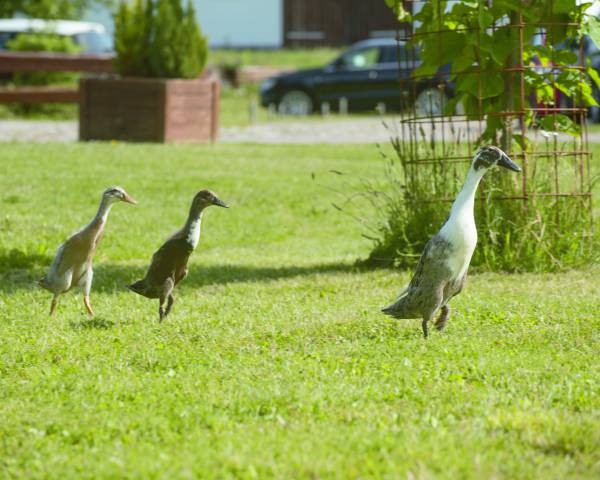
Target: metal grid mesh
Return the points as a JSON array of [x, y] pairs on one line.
[[554, 166]]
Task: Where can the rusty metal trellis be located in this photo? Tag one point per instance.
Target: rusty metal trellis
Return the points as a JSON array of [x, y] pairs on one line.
[[444, 140]]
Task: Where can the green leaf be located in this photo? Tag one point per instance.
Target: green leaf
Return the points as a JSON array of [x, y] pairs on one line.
[[562, 6], [401, 14], [560, 123], [425, 70], [497, 46], [593, 29], [482, 85], [591, 71], [521, 141], [484, 17]]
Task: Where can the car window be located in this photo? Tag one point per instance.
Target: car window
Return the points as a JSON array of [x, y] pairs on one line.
[[400, 56], [400, 53], [363, 58]]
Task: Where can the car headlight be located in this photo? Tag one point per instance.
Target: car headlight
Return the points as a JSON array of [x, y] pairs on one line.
[[267, 84]]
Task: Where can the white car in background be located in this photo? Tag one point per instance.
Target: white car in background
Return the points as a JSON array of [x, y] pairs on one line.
[[90, 36]]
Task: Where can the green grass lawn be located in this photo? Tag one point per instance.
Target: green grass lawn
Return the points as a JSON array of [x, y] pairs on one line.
[[281, 58], [275, 362]]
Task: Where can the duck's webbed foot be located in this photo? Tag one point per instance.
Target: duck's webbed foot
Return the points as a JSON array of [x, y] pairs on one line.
[[440, 323]]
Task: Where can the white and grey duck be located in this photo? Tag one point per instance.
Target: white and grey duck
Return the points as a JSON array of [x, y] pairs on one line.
[[442, 268], [169, 262], [72, 264]]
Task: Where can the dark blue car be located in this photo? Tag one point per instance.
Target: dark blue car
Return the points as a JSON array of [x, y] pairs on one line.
[[371, 72]]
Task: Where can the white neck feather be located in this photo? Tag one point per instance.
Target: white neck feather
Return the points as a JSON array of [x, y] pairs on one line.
[[465, 201], [193, 230], [460, 228]]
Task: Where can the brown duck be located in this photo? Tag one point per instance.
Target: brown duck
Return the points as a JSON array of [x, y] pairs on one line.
[[72, 265], [169, 263]]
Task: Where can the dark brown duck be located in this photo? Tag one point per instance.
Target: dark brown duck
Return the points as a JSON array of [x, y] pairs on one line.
[[169, 263]]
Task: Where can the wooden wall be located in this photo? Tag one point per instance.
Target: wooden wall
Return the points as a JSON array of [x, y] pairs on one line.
[[334, 22]]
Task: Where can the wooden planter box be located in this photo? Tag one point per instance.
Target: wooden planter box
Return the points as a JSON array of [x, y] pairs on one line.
[[149, 109]]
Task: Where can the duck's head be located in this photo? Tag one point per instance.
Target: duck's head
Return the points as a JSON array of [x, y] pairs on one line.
[[117, 194], [487, 157], [206, 198]]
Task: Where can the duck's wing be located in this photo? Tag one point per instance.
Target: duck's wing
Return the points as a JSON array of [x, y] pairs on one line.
[[433, 265], [69, 254], [431, 274], [171, 256]]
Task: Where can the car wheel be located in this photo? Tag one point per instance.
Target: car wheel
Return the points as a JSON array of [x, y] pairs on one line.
[[295, 102], [430, 102]]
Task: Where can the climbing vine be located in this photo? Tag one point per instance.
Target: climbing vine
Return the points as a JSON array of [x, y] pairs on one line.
[[476, 41]]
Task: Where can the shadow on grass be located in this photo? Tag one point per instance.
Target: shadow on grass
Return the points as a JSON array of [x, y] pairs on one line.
[[23, 275], [202, 276], [97, 323], [20, 269]]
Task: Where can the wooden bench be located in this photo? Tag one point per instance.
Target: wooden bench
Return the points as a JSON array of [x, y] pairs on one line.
[[13, 62]]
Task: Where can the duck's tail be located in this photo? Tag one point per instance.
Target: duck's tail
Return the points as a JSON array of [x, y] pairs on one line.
[[43, 282], [396, 309], [138, 287]]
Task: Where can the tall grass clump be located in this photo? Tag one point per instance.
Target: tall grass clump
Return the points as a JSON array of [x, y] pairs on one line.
[[537, 233]]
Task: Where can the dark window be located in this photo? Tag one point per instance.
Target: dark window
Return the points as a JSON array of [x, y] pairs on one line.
[[402, 55]]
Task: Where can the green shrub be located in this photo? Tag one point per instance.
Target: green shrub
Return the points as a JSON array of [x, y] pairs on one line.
[[41, 42], [158, 39], [543, 234]]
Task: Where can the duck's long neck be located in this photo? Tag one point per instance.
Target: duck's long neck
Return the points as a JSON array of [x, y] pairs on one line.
[[465, 201], [102, 214], [192, 226]]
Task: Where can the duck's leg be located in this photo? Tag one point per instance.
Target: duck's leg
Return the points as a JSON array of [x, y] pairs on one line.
[[164, 296], [440, 323], [170, 302], [430, 313], [53, 304], [424, 326], [86, 302], [86, 282], [161, 309]]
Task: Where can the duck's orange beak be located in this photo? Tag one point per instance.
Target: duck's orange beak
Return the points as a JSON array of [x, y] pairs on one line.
[[127, 198]]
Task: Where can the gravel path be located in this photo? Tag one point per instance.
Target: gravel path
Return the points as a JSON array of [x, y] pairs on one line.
[[361, 130], [37, 131]]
